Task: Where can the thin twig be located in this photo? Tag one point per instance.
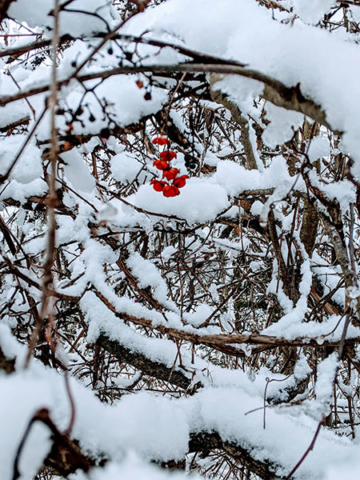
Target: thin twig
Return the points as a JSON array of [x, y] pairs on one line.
[[308, 450], [47, 280]]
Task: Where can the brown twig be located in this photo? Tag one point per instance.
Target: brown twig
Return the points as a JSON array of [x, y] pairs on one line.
[[47, 280], [308, 450]]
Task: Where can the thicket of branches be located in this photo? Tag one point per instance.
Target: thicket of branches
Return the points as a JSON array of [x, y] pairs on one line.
[[245, 282]]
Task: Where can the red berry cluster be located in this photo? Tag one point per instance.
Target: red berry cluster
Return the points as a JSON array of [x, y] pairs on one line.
[[170, 174]]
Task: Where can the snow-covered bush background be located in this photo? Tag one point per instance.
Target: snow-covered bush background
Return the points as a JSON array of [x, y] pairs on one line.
[[213, 332]]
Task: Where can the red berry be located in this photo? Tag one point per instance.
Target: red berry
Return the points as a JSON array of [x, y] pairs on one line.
[[161, 164], [168, 155], [170, 174], [180, 181], [157, 185], [170, 191], [160, 141]]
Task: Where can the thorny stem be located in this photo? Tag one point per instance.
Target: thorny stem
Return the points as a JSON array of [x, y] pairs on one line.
[[47, 280]]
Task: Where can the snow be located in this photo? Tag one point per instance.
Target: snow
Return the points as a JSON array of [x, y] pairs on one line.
[[14, 418], [347, 470], [20, 192], [202, 313], [125, 168], [325, 379], [38, 14], [235, 178], [149, 276], [319, 147], [283, 124], [312, 11], [131, 467], [29, 166], [199, 201], [135, 422], [77, 172]]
